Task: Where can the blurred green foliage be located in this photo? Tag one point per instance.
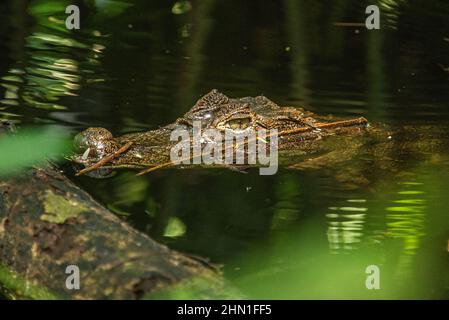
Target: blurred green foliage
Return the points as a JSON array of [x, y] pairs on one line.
[[30, 147]]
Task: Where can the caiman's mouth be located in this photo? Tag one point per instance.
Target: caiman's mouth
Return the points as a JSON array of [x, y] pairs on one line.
[[96, 148]]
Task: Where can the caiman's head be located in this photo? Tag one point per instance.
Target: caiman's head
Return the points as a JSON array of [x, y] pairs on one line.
[[217, 111], [212, 111]]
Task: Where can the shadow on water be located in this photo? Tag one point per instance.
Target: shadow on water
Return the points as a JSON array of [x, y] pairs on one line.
[[137, 65]]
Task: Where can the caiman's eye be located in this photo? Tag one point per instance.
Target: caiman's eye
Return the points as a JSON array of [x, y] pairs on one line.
[[238, 124]]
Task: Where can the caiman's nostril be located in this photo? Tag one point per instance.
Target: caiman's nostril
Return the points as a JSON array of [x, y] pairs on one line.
[[80, 142]]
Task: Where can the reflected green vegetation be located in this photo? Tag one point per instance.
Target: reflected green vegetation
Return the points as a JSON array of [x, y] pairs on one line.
[[55, 64], [137, 65], [297, 264]]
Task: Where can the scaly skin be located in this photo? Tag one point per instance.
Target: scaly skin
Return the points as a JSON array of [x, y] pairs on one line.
[[301, 133]]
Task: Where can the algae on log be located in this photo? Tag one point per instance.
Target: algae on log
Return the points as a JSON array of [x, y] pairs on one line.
[[47, 223]]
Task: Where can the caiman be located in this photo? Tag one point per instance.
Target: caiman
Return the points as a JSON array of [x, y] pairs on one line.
[[305, 139]]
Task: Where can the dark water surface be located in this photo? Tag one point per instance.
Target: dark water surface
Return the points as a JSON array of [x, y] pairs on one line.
[[137, 65]]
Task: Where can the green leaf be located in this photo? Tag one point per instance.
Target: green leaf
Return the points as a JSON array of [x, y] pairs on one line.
[[30, 147]]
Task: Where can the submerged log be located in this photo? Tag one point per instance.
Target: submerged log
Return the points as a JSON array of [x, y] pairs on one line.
[[47, 223]]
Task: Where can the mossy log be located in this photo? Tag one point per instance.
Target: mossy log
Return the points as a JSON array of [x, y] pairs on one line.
[[47, 223]]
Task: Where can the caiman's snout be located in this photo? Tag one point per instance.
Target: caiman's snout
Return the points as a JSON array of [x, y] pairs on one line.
[[92, 144]]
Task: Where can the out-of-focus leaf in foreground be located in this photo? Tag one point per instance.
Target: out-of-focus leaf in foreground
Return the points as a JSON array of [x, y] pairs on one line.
[[30, 147]]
